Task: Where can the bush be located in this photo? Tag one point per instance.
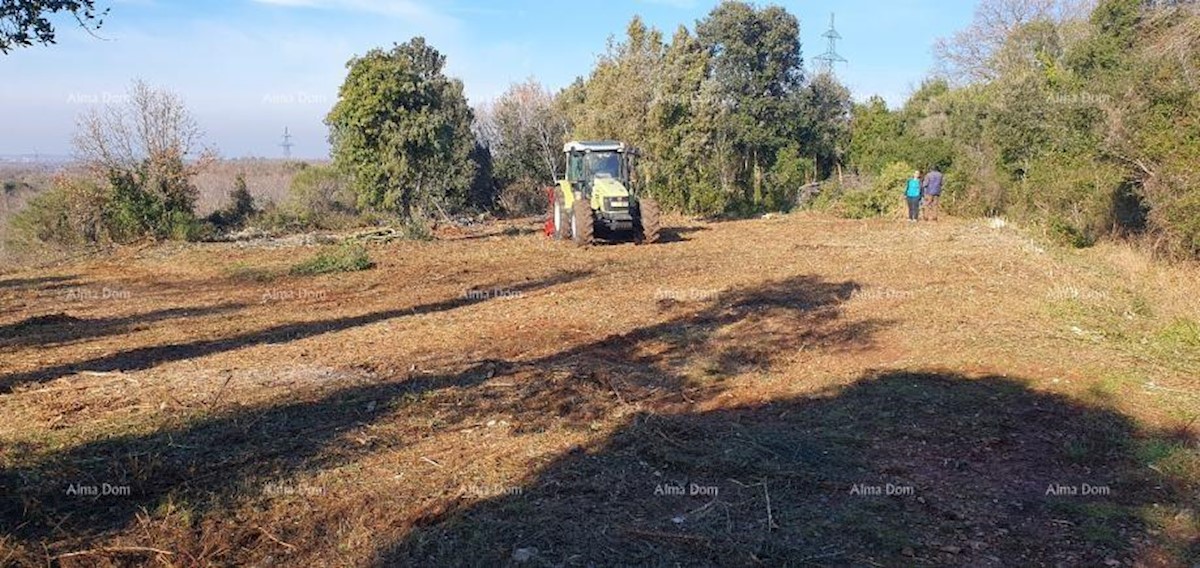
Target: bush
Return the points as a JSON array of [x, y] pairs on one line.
[[524, 197], [70, 213], [348, 257], [238, 212], [878, 198], [790, 172], [319, 198], [151, 205]]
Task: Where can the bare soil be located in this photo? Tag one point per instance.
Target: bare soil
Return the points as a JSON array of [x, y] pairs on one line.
[[800, 390]]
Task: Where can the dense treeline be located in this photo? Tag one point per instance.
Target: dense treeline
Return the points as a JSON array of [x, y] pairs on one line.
[[1081, 121], [726, 116]]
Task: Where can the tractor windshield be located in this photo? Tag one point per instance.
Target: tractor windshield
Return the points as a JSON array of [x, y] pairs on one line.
[[605, 164]]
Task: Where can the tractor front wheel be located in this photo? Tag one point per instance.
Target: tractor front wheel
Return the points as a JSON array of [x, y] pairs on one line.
[[582, 224], [650, 221]]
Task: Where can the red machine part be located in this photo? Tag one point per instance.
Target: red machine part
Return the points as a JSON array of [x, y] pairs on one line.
[[550, 216]]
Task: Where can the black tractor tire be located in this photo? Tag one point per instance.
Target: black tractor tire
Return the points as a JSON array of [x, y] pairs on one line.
[[561, 216], [649, 222], [583, 225]]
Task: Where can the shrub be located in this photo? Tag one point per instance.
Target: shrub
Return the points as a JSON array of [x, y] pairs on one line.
[[524, 197], [319, 198], [240, 209], [347, 257], [788, 175], [72, 212], [149, 204], [878, 198]]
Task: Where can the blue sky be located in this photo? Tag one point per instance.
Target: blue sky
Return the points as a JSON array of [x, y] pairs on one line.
[[249, 68]]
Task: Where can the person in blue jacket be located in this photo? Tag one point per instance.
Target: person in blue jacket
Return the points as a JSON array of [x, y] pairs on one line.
[[912, 193]]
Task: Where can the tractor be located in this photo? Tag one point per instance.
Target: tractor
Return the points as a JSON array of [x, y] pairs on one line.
[[598, 200]]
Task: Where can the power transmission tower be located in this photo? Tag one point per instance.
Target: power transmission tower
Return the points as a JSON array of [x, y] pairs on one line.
[[831, 56], [287, 143]]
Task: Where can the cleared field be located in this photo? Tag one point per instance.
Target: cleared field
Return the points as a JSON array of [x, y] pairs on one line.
[[787, 391]]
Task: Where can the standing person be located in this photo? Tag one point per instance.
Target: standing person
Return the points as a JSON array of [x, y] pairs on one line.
[[912, 194], [933, 190]]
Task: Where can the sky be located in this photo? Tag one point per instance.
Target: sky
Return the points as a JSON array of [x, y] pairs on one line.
[[248, 69]]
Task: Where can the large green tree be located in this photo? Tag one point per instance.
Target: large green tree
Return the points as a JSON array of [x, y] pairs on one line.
[[759, 73], [681, 125], [401, 131], [621, 88]]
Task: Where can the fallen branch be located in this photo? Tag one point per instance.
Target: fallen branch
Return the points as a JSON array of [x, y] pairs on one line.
[[272, 537], [431, 461], [115, 550]]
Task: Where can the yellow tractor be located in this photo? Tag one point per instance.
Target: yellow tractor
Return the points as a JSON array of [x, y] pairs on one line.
[[597, 199]]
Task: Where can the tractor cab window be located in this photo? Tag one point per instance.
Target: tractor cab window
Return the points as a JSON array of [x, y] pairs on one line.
[[575, 166], [605, 164]]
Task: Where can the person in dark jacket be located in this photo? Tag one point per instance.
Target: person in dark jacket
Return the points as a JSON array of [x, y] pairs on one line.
[[912, 194], [932, 190]]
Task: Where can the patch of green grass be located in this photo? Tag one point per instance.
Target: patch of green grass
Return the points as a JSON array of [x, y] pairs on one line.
[[349, 257], [1181, 334], [1108, 388], [1140, 306], [1173, 458]]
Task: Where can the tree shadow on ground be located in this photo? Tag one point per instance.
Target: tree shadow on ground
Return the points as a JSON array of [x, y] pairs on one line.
[[895, 469], [215, 462], [152, 356], [62, 329]]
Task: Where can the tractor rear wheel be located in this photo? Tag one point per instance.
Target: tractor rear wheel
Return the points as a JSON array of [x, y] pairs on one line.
[[650, 219], [582, 224]]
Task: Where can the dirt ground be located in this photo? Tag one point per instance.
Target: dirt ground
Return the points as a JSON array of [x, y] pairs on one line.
[[797, 390]]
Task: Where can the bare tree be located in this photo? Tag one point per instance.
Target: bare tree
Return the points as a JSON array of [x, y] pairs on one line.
[[970, 54], [525, 131], [150, 136]]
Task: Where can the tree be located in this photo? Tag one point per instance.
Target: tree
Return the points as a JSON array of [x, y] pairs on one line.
[[148, 148], [759, 75], [523, 131], [875, 141], [681, 139], [401, 131], [970, 54], [621, 88], [826, 133], [26, 22]]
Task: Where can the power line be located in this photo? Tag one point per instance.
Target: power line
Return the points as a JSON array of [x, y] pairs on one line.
[[831, 56]]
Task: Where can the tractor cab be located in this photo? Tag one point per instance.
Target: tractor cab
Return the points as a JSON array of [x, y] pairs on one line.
[[599, 172], [589, 161], [597, 197]]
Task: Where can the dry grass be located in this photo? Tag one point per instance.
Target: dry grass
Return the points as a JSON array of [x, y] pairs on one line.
[[492, 397], [267, 180]]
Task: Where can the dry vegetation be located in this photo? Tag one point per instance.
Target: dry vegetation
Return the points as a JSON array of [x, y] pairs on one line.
[[492, 397], [267, 180]]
